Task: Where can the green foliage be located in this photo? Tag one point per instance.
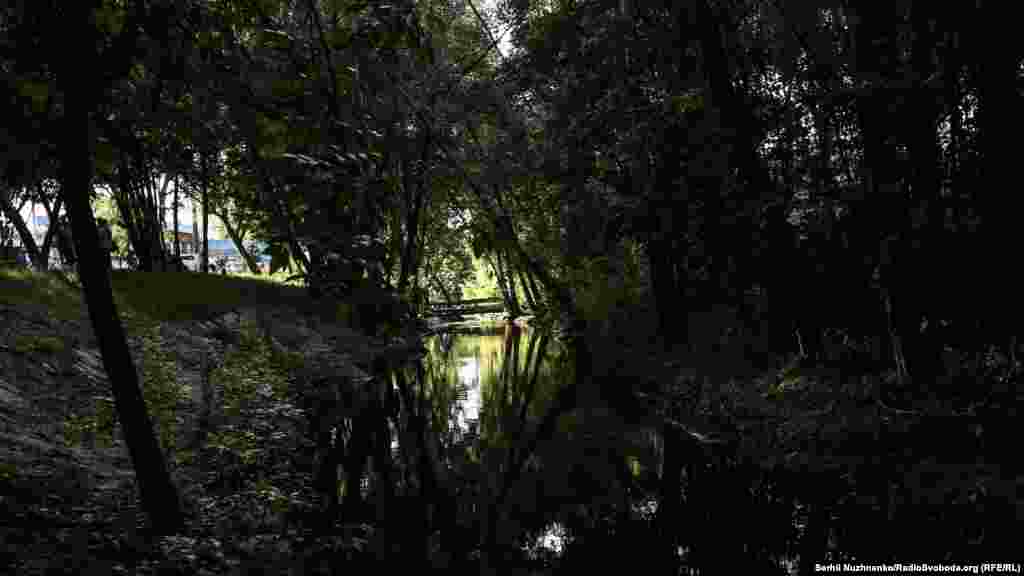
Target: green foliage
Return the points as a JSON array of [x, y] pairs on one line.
[[160, 387], [104, 207], [98, 423], [106, 419], [25, 343], [21, 287], [160, 390], [481, 284], [75, 427], [109, 18], [448, 264], [252, 372], [38, 93], [243, 445]]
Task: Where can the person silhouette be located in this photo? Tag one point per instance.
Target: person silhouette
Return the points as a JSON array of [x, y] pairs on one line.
[[65, 242]]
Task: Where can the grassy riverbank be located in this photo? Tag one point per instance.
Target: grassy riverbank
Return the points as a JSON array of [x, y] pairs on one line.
[[161, 296], [223, 363]]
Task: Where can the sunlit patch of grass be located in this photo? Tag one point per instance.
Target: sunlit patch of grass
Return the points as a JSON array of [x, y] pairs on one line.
[[280, 277], [19, 286], [181, 296], [144, 297]]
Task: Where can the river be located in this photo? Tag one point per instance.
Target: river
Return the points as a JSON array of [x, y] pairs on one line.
[[489, 386]]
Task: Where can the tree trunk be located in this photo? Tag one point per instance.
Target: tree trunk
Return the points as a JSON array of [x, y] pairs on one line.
[[238, 236], [325, 407], [408, 265], [921, 250], [159, 495], [878, 181], [28, 242], [159, 235], [441, 287], [537, 295], [510, 282], [51, 233], [137, 200], [204, 259], [282, 218], [531, 300], [162, 207], [177, 238], [195, 228], [515, 311], [499, 275]]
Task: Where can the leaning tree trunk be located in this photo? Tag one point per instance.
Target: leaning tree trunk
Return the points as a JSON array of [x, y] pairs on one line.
[[159, 495], [12, 214], [531, 300], [508, 289], [493, 261], [204, 258], [177, 237], [237, 236], [137, 201], [440, 286], [195, 228], [516, 310], [538, 296], [51, 233]]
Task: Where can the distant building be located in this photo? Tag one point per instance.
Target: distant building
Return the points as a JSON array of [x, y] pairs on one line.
[[185, 239], [221, 250]]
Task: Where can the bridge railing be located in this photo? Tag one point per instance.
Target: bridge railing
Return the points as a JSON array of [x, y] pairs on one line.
[[467, 302], [468, 306]]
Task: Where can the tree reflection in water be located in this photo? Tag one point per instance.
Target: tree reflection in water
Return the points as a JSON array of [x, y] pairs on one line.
[[486, 389]]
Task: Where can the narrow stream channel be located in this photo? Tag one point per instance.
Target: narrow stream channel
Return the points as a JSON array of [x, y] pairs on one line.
[[489, 385], [495, 379]]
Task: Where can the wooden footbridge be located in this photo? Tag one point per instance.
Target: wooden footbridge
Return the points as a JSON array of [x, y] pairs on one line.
[[465, 307]]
